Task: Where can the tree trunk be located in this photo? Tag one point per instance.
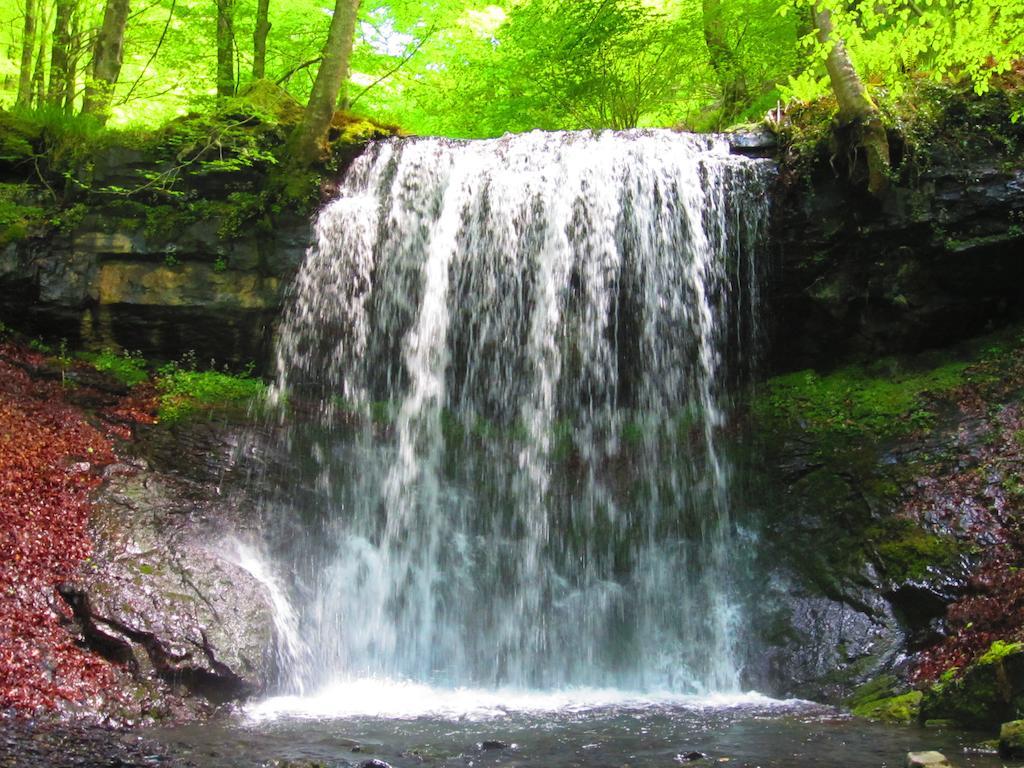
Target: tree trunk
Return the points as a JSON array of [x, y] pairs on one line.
[[28, 49], [856, 109], [60, 52], [75, 52], [12, 54], [225, 48], [106, 61], [39, 74], [731, 79], [309, 135], [259, 40]]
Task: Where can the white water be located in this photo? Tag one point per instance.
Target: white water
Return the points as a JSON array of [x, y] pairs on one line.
[[389, 699], [517, 352]]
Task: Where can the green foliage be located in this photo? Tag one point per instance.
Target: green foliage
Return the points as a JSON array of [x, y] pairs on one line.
[[127, 367], [19, 216], [186, 392], [485, 67], [999, 650], [893, 41]]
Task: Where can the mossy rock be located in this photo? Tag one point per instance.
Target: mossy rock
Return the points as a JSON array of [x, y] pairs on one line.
[[1011, 739], [987, 693], [267, 98], [886, 699], [855, 402], [908, 552], [902, 709], [347, 129]]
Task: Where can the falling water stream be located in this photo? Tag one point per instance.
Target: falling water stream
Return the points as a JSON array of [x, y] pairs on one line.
[[508, 506], [517, 353]]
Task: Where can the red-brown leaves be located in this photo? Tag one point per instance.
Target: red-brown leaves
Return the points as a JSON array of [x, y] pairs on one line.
[[49, 455], [980, 499]]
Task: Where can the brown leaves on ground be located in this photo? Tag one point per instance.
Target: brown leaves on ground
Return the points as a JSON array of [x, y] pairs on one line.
[[980, 499], [49, 461]]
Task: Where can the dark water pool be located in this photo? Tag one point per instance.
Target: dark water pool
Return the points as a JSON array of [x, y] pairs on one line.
[[744, 732]]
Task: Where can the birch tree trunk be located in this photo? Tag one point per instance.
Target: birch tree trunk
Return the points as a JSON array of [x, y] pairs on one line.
[[330, 79], [856, 109], [106, 61]]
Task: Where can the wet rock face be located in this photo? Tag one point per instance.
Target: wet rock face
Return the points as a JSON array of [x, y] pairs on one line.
[[163, 285], [895, 551], [935, 262], [823, 646], [161, 595]]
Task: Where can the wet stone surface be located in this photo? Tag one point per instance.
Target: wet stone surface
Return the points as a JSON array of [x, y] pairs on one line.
[[27, 743]]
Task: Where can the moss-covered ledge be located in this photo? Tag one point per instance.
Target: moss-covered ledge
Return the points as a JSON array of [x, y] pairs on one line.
[[164, 241]]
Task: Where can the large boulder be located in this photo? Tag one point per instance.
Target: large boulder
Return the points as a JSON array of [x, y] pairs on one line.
[[163, 596]]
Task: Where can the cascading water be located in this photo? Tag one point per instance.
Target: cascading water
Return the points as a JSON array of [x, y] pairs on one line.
[[517, 352]]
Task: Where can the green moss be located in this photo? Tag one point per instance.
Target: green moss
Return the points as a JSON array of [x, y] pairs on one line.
[[986, 693], [883, 686], [268, 99], [852, 401], [348, 129], [908, 552], [946, 678], [999, 650], [187, 392], [894, 709], [382, 412]]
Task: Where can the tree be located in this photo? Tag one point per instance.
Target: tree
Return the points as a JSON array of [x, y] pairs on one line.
[[60, 53], [259, 40], [329, 83], [107, 56], [225, 48], [856, 109], [568, 64], [28, 45], [724, 59], [39, 73]]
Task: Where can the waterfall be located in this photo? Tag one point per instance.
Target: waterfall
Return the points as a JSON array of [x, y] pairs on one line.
[[506, 366]]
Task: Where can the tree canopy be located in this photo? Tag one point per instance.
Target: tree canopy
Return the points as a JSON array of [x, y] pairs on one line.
[[482, 68]]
